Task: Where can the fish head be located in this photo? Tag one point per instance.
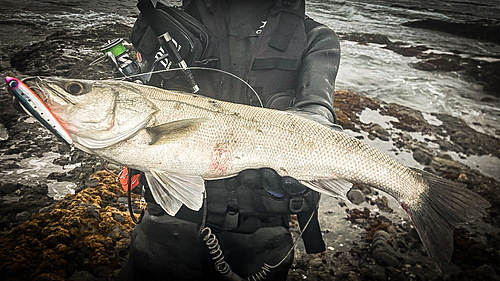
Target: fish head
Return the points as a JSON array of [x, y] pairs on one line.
[[96, 113]]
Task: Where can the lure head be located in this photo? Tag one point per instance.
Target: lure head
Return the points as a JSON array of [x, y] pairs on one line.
[[25, 99], [12, 82]]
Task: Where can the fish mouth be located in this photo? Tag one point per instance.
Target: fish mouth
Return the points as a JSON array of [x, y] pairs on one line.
[[34, 83], [43, 90]]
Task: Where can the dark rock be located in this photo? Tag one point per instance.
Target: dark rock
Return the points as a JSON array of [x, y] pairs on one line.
[[82, 276], [439, 64], [365, 38], [356, 196], [62, 161], [119, 218], [486, 272], [4, 135], [422, 157], [60, 176], [22, 216], [92, 182], [7, 187], [317, 264], [383, 204], [377, 131], [482, 30], [383, 253], [122, 200], [10, 164], [385, 256], [377, 273]]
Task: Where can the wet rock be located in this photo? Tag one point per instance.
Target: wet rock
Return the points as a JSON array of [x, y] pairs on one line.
[[486, 272], [92, 182], [422, 157], [382, 203], [62, 161], [365, 38], [4, 135], [70, 236], [439, 64], [377, 131], [83, 276], [60, 176], [7, 187], [482, 30], [356, 196], [317, 264], [383, 253], [122, 200], [10, 164], [22, 216], [118, 217], [376, 273]]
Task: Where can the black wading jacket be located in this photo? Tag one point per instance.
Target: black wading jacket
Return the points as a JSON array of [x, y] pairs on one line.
[[289, 59]]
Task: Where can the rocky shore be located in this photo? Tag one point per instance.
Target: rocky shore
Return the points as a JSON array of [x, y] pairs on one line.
[[85, 235]]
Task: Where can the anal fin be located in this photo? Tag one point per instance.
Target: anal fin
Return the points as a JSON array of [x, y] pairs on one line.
[[332, 187]]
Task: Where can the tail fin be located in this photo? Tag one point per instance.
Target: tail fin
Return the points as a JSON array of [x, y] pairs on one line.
[[445, 205]]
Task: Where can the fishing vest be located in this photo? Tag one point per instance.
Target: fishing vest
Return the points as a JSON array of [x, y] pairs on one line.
[[277, 52]]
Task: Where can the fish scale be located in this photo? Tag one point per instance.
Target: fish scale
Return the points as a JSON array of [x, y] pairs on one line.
[[180, 140], [285, 136]]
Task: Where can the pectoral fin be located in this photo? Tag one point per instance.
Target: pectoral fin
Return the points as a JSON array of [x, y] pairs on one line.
[[174, 130], [331, 187], [170, 191]]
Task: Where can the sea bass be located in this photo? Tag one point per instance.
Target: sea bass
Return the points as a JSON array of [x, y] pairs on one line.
[[180, 140]]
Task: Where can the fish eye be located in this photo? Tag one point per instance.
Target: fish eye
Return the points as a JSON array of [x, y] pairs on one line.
[[74, 88]]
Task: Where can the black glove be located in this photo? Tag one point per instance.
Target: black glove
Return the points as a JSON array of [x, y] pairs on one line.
[[317, 113], [269, 180], [279, 187]]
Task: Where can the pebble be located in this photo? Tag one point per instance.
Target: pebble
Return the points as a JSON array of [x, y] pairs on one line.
[[356, 196], [92, 182], [119, 218], [22, 216], [422, 156], [377, 131], [4, 135]]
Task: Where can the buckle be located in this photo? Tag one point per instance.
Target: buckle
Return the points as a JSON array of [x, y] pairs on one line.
[[231, 220], [296, 204]]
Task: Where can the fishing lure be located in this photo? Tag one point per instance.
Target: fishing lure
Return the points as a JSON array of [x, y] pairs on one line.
[[35, 106]]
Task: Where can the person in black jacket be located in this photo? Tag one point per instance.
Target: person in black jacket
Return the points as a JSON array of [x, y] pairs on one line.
[[291, 61]]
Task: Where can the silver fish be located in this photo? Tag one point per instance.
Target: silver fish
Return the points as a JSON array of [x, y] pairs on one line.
[[179, 140]]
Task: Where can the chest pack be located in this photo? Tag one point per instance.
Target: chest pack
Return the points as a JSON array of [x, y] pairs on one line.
[[167, 37]]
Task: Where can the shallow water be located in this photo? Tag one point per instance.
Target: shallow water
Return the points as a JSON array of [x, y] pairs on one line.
[[383, 74]]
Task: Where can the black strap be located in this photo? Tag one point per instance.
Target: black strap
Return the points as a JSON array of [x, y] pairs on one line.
[[131, 173], [151, 15], [313, 240]]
